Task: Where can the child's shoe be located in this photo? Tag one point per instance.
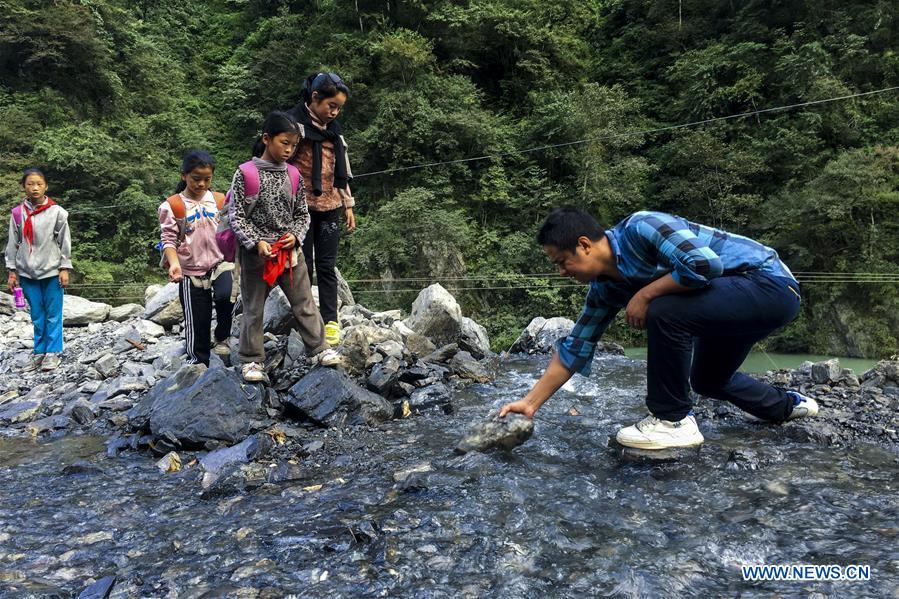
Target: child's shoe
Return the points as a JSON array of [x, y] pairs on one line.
[[50, 363], [34, 363], [253, 373], [803, 406], [329, 357], [332, 333], [221, 348]]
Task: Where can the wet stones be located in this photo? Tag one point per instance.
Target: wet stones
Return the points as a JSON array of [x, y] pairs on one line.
[[635, 455], [328, 397], [495, 432]]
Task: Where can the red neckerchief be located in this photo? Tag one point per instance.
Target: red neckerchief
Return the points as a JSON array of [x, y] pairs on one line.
[[28, 228], [274, 267]]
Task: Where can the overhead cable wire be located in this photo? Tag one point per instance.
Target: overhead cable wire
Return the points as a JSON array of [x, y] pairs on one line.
[[586, 140]]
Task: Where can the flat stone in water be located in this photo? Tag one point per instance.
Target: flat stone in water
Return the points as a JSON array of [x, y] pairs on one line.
[[503, 433], [635, 455]]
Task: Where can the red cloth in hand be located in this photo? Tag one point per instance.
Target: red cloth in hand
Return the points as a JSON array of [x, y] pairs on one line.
[[275, 266]]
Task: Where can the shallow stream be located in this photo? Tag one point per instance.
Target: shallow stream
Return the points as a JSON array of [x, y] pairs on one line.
[[561, 516]]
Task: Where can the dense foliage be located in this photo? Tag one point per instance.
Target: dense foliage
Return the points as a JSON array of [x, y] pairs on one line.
[[106, 95]]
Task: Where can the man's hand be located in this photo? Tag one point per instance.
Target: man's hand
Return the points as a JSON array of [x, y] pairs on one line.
[[635, 313], [264, 249], [64, 278], [350, 221], [518, 407], [287, 241], [175, 274], [12, 281]]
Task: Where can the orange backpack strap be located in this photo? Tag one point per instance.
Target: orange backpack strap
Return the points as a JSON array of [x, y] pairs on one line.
[[177, 206], [219, 199]]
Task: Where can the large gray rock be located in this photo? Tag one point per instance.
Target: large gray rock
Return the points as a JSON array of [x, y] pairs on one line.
[[464, 365], [78, 311], [7, 304], [541, 334], [124, 312], [217, 407], [185, 377], [501, 433], [436, 314], [164, 307], [473, 338], [330, 398], [344, 295], [824, 373], [277, 318]]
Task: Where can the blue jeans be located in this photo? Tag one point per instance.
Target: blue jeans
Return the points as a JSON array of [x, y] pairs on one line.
[[698, 339], [45, 300]]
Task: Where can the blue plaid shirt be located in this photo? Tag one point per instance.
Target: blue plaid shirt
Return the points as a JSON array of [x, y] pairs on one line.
[[647, 246]]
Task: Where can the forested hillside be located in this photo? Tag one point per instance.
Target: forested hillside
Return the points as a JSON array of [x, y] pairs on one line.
[[106, 95]]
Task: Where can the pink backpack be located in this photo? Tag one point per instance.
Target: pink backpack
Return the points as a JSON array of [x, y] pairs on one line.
[[224, 236]]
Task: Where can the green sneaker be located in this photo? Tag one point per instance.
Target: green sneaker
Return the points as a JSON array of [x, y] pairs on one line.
[[332, 333]]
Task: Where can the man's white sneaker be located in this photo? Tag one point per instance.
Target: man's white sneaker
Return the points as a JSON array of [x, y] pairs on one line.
[[252, 372], [803, 406], [329, 357], [655, 433]]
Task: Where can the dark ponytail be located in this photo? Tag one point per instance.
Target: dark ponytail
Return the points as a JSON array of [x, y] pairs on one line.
[[192, 160], [275, 123], [327, 85]]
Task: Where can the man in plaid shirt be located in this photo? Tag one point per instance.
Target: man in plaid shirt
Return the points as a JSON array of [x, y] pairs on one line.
[[704, 296]]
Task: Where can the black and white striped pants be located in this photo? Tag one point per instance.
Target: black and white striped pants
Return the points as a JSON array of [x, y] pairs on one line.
[[197, 304]]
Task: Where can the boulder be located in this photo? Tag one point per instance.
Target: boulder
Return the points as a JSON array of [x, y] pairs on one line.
[[78, 311], [473, 338], [384, 376], [197, 404], [436, 314], [344, 295], [541, 334], [124, 312], [464, 365], [825, 373], [330, 398], [164, 307], [277, 318]]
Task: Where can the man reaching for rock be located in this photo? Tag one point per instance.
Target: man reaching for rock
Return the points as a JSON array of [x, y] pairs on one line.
[[704, 296]]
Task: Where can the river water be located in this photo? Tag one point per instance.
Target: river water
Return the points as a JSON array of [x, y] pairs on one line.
[[561, 516]]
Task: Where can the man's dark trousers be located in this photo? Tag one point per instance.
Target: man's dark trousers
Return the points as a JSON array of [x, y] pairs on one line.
[[699, 339]]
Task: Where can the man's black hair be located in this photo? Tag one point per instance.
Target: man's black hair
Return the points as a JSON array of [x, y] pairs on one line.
[[565, 225]]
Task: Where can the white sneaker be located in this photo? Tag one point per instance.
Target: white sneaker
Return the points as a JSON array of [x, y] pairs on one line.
[[252, 372], [33, 363], [655, 433], [329, 357], [803, 406], [221, 348]]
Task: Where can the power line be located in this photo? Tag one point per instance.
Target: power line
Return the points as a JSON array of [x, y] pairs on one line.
[[626, 133], [587, 140]]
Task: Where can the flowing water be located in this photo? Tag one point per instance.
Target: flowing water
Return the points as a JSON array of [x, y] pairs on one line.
[[561, 516]]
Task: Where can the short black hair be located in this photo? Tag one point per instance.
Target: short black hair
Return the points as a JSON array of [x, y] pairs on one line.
[[32, 171], [565, 225]]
